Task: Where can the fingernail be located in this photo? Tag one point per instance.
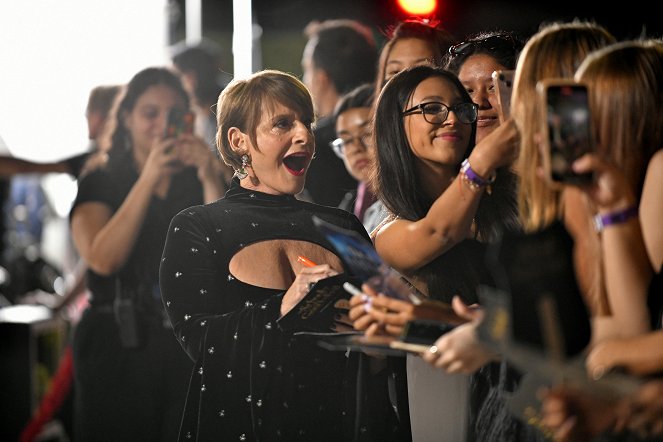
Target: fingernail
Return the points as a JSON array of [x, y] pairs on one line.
[[367, 305], [365, 298]]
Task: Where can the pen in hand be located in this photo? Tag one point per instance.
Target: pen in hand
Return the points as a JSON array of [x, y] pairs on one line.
[[307, 262]]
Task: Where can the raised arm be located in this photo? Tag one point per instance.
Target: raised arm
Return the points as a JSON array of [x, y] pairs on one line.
[[651, 210], [105, 239], [408, 245]]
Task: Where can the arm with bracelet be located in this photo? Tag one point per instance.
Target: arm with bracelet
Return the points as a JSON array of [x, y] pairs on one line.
[[627, 269], [449, 220]]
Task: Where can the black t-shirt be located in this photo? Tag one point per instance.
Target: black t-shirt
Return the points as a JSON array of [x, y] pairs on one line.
[[110, 185]]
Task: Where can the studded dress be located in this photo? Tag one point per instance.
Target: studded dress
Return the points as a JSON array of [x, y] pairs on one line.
[[252, 381]]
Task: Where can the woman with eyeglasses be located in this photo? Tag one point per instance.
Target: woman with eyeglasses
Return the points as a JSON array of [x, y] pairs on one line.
[[446, 198], [474, 61]]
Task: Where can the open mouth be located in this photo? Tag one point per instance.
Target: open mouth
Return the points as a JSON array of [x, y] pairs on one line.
[[296, 163]]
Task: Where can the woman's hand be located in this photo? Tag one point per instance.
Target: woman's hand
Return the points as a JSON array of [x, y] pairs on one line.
[[642, 412], [161, 162], [302, 284], [603, 356], [575, 415], [610, 190], [193, 151], [460, 350], [359, 312], [498, 149]]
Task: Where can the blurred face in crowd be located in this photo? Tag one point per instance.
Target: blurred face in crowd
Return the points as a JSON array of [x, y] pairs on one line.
[[355, 141], [476, 76], [406, 53], [147, 121]]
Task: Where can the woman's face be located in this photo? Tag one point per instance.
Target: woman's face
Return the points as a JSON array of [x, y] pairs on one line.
[[406, 53], [352, 126], [437, 144], [286, 145], [147, 121], [476, 75]]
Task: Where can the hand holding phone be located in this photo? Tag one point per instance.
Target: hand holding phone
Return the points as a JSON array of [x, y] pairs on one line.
[[567, 129], [179, 121], [503, 84]]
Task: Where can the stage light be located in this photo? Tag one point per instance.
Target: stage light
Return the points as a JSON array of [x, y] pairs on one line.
[[418, 7]]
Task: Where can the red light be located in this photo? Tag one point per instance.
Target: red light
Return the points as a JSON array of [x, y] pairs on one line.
[[418, 7]]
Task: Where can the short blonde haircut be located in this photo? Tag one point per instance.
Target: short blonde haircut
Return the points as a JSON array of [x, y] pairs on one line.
[[241, 105]]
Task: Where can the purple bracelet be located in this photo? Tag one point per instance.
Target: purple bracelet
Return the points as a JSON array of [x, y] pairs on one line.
[[472, 178], [618, 217]]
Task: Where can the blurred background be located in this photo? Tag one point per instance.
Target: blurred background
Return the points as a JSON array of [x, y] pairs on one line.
[[54, 52]]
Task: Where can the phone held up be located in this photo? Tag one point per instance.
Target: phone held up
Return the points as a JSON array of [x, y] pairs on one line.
[[179, 122], [503, 85], [567, 129]]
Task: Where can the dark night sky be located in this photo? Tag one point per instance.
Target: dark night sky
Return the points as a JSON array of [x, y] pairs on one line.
[[283, 21], [626, 20]]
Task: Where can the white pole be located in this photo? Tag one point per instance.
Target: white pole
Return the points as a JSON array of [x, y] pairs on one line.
[[193, 11], [242, 38]]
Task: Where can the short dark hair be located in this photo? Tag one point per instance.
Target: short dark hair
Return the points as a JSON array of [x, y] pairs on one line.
[[203, 60], [506, 53], [361, 96], [345, 50]]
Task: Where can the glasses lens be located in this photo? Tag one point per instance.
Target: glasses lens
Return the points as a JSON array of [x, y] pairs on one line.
[[466, 112], [338, 146], [435, 113]]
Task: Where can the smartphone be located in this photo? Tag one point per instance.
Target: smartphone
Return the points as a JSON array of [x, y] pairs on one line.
[[503, 85], [567, 129], [179, 122]]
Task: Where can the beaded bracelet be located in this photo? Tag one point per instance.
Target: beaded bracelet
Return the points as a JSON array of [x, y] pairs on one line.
[[618, 217], [473, 179]]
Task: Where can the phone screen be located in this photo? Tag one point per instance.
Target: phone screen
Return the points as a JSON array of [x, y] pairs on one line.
[[503, 84], [569, 133], [179, 121]]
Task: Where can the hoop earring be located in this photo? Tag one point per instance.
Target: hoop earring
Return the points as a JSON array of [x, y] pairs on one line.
[[241, 173]]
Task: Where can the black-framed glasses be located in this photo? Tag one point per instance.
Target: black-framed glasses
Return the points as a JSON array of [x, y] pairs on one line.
[[340, 144], [501, 41], [435, 112]]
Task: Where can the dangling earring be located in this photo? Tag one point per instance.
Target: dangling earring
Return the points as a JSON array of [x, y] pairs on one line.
[[241, 173]]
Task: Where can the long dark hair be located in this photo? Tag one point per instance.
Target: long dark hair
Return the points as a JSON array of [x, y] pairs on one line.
[[396, 178], [140, 82]]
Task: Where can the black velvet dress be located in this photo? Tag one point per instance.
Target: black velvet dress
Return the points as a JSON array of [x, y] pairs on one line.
[[252, 381]]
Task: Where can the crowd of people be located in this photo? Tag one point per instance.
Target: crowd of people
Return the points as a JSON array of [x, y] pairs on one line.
[[192, 242]]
